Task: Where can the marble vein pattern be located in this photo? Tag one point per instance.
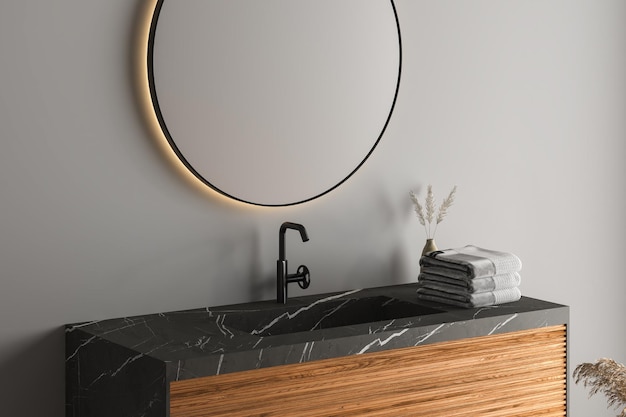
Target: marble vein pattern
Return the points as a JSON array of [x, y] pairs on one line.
[[380, 342], [503, 323]]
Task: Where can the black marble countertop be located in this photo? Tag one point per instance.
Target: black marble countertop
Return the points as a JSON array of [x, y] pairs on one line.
[[149, 351]]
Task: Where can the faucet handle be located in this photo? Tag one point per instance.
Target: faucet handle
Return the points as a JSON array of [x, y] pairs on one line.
[[305, 279]]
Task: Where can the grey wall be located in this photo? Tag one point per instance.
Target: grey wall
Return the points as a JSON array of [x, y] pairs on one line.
[[522, 104]]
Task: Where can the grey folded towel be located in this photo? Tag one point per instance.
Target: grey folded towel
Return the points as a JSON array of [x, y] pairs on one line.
[[483, 299], [465, 286], [470, 262]]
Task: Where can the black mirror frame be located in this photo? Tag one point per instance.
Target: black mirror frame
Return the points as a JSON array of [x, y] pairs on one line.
[[185, 162]]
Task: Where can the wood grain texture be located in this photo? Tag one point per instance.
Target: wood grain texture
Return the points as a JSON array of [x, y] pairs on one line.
[[513, 374]]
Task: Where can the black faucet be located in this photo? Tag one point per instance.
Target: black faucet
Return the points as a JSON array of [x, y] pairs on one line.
[[283, 278]]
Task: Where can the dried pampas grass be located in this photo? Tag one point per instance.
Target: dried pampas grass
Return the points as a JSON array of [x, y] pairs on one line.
[[426, 218], [606, 376], [447, 202], [419, 210]]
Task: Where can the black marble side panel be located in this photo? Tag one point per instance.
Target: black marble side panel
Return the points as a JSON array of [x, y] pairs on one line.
[[104, 379]]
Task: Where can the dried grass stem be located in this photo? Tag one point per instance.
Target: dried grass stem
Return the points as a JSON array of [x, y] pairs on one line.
[[605, 376]]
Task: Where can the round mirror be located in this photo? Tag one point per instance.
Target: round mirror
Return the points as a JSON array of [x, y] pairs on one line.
[[274, 102]]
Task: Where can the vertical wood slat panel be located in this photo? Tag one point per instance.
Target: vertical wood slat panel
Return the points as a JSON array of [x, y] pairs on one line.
[[514, 374]]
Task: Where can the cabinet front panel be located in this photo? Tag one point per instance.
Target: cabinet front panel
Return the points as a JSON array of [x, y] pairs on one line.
[[521, 373]]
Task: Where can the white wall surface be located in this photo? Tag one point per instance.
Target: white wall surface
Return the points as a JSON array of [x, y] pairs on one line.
[[522, 104]]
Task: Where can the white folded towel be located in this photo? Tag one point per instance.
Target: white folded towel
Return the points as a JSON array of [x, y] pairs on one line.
[[483, 299], [470, 262], [465, 286]]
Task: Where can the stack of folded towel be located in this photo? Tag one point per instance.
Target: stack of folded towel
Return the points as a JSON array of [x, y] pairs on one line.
[[469, 277]]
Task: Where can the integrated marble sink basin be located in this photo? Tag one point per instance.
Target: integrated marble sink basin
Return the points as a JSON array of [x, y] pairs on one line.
[[327, 314]]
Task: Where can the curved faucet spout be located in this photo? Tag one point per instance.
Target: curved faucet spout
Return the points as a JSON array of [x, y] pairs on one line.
[[281, 237]]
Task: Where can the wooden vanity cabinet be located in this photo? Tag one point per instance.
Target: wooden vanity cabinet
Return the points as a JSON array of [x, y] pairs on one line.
[[521, 373], [504, 360]]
